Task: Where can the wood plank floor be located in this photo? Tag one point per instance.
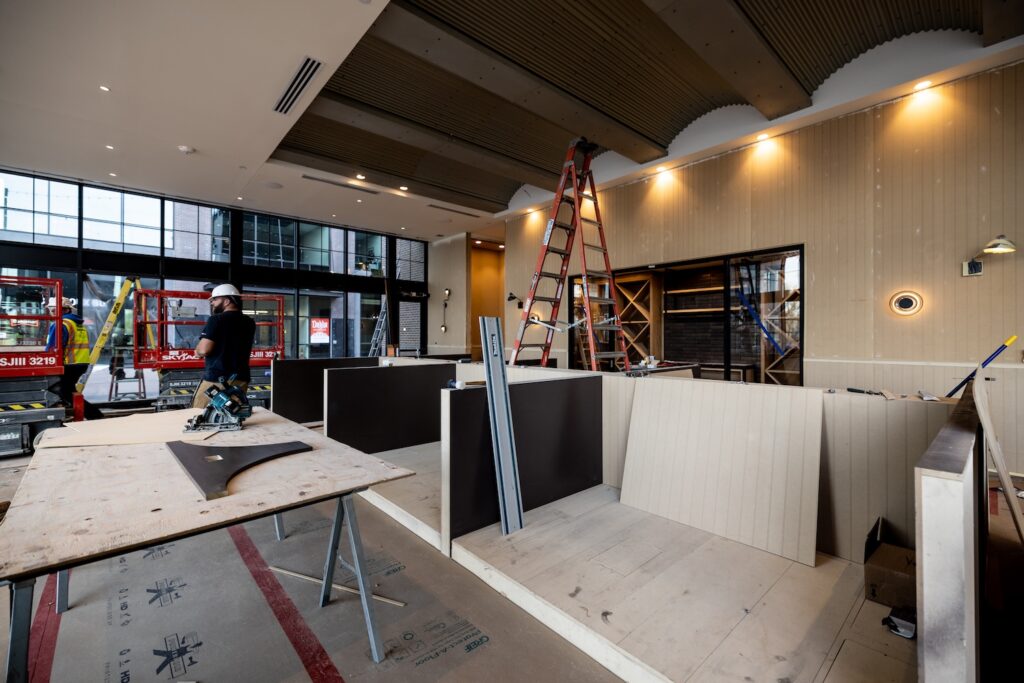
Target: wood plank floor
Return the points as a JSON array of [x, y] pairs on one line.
[[686, 604], [416, 503]]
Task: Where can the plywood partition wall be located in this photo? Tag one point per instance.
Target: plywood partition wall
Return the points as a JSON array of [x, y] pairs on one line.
[[738, 460], [869, 449], [297, 385], [558, 446], [885, 199], [382, 409]]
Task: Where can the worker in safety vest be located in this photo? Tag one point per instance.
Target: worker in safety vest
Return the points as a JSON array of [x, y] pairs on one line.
[[75, 340]]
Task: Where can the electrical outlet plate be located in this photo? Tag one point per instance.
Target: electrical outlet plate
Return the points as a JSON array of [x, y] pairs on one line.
[[971, 268]]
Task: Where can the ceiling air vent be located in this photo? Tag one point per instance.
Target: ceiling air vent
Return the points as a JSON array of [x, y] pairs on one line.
[[337, 184], [299, 82], [445, 208]]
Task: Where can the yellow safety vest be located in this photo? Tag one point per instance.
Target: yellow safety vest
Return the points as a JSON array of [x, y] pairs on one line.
[[77, 349]]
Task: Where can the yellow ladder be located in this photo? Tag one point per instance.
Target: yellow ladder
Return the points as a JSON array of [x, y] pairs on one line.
[[108, 327]]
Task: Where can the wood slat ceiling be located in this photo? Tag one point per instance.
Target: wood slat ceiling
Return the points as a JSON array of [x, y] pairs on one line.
[[368, 152], [387, 78], [815, 38], [613, 54], [499, 82]]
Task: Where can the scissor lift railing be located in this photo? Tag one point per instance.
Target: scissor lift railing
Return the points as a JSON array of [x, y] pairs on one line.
[[28, 369], [168, 324], [167, 328], [25, 322]]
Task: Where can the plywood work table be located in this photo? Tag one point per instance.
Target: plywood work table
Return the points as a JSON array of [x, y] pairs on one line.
[[79, 504]]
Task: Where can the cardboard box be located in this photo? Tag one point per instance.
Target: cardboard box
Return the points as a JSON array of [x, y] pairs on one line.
[[890, 571]]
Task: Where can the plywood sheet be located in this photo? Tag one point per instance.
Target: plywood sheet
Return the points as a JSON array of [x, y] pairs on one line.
[[652, 599], [738, 460], [133, 429], [78, 504]]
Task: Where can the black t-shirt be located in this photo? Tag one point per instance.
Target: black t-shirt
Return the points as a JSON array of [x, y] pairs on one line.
[[232, 334]]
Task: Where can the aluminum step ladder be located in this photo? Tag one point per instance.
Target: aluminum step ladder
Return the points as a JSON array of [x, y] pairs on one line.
[[604, 345]]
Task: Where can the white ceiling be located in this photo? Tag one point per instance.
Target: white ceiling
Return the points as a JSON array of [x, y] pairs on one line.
[[187, 72]]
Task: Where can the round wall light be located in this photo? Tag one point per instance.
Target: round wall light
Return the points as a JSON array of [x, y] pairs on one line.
[[906, 303]]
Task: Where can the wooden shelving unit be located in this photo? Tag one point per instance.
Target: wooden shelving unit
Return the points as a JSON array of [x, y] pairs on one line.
[[640, 302]]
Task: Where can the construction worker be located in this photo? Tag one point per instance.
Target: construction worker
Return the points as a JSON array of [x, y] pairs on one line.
[[225, 344], [75, 340]]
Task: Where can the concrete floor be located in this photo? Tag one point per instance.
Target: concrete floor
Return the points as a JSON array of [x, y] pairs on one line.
[[191, 610]]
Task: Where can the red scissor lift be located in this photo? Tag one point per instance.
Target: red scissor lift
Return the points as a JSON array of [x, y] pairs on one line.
[[28, 371], [167, 328]]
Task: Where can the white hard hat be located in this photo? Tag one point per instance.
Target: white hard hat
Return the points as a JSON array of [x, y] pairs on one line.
[[224, 290]]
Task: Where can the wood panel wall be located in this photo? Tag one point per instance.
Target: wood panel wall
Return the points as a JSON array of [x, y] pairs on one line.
[[738, 460], [869, 447], [889, 198]]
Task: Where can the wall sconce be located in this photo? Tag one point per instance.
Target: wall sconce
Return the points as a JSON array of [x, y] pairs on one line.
[[513, 297], [1000, 245], [906, 303]]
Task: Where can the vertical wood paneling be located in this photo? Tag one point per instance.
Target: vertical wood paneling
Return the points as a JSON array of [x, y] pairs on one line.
[[870, 448], [885, 199], [687, 455]]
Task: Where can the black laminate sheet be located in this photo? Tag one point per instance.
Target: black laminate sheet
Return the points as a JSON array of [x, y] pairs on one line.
[[381, 409], [211, 467], [297, 385], [557, 425]]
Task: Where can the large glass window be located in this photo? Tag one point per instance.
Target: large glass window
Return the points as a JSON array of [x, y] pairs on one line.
[[69, 281], [363, 312], [99, 295], [367, 254], [38, 210], [119, 221], [289, 314], [268, 241], [196, 232], [321, 325], [411, 259], [321, 247]]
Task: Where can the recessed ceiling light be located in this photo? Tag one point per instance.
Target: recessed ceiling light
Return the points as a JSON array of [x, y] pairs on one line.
[[359, 201], [501, 246], [403, 188], [659, 169], [238, 198], [762, 136], [403, 227], [479, 242], [334, 215], [360, 176], [109, 146], [104, 88], [112, 174], [922, 85]]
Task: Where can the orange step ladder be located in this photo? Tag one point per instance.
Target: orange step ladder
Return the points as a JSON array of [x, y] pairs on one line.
[[604, 345]]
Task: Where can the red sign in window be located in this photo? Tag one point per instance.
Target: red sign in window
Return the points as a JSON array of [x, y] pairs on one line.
[[319, 330]]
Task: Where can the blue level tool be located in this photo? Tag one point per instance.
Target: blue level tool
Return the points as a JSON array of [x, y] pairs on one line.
[[1002, 347]]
